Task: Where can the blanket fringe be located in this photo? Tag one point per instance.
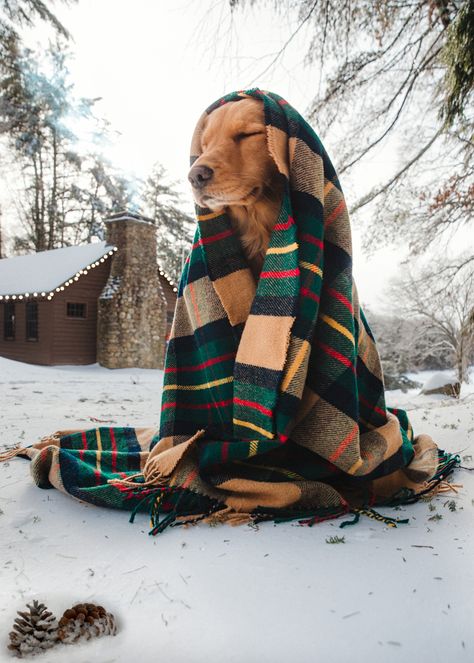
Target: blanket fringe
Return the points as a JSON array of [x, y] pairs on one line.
[[444, 487], [186, 510], [152, 475], [374, 515], [219, 513], [176, 519], [11, 453], [447, 463]]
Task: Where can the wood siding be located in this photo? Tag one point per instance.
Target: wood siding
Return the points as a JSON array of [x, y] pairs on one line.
[[19, 348], [61, 339]]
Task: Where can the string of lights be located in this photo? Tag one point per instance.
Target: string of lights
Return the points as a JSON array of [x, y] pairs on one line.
[[49, 295], [60, 288]]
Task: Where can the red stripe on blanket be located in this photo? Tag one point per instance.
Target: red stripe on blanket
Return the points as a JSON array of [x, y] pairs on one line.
[[190, 478], [335, 213], [84, 445], [213, 238], [341, 298], [205, 364], [313, 240], [307, 293], [285, 225], [280, 275], [337, 355], [114, 449], [344, 444], [225, 452], [255, 406], [375, 408]]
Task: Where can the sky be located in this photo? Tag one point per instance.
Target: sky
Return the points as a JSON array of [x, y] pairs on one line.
[[156, 64]]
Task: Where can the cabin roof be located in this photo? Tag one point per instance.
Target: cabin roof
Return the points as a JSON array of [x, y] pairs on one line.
[[41, 274]]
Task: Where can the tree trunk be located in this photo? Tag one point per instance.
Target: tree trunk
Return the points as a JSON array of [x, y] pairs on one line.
[[1, 242], [42, 197], [53, 203], [461, 360], [38, 235]]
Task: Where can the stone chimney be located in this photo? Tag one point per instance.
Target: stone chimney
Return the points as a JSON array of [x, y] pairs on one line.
[[132, 307]]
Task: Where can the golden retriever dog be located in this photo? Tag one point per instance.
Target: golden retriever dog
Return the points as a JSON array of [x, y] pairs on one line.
[[235, 172]]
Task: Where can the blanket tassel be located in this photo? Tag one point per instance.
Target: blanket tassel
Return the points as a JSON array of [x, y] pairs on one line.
[[374, 515], [438, 484], [11, 453]]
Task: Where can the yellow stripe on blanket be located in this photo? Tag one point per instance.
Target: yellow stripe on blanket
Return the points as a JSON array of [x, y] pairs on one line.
[[283, 249], [248, 424], [99, 449], [208, 217], [327, 187], [305, 348], [353, 468], [272, 468], [312, 268], [195, 387], [253, 450], [336, 325]]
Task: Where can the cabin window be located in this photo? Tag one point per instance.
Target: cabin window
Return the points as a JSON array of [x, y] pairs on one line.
[[9, 321], [75, 310], [31, 321]]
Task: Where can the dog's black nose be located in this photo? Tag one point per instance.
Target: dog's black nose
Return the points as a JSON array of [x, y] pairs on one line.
[[199, 176]]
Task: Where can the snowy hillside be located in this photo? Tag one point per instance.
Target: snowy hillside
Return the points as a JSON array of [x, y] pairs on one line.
[[240, 595]]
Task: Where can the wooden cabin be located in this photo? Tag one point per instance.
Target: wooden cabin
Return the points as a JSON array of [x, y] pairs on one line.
[[49, 301]]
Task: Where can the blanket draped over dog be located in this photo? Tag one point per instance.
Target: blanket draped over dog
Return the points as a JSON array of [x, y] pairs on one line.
[[273, 400]]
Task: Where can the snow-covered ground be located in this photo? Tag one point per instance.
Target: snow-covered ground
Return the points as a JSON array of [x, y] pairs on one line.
[[242, 595]]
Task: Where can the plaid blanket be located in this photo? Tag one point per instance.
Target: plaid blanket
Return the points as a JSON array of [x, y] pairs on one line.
[[273, 399]]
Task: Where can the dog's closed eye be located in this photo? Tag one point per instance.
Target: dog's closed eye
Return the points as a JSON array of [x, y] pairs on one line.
[[241, 136]]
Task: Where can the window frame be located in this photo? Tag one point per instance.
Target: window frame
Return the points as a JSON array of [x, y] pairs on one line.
[[28, 337], [77, 317], [12, 321]]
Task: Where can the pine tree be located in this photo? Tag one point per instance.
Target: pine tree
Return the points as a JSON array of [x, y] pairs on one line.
[[15, 15], [64, 193], [162, 204]]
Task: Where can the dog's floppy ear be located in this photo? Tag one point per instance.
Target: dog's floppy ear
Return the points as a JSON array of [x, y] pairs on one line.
[[280, 149], [196, 148]]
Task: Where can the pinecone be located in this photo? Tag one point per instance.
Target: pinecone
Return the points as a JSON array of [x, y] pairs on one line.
[[34, 631], [85, 620]]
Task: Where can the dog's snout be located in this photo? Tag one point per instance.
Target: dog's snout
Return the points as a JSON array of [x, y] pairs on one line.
[[199, 176]]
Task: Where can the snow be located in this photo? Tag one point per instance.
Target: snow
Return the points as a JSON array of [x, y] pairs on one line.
[[243, 595], [47, 270], [440, 379], [126, 217], [130, 216], [111, 287]]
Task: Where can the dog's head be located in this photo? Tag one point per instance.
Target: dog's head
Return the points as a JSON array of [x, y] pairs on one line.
[[235, 167]]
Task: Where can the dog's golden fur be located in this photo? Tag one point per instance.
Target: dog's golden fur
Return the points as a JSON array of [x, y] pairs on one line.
[[244, 179]]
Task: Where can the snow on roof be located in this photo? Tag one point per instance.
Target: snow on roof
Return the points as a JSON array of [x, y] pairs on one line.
[[130, 216], [39, 274]]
